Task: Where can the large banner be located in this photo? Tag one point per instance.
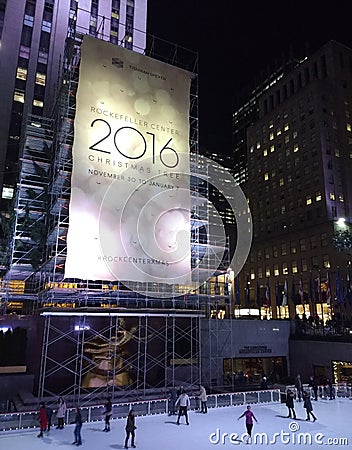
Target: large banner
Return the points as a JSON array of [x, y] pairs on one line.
[[130, 198]]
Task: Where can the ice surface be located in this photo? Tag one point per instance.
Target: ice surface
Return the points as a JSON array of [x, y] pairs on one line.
[[161, 431]]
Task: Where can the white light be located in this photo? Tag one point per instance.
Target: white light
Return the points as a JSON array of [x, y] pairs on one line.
[[4, 329], [82, 327], [341, 222]]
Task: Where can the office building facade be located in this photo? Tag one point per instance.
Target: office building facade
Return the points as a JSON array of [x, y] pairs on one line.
[[299, 157], [33, 34]]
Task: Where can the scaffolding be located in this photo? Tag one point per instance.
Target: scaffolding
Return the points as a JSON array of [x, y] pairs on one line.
[[88, 318]]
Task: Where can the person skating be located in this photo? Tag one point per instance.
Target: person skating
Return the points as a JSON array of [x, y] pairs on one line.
[[308, 406], [183, 403], [313, 384], [130, 427], [172, 401], [78, 427], [203, 400], [299, 387], [249, 420], [49, 414], [290, 403], [60, 413], [43, 419], [108, 414]]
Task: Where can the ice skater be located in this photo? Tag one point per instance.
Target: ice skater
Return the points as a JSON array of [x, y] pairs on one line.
[[107, 412], [308, 406], [290, 404], [172, 401], [78, 426], [130, 427], [61, 413], [203, 400], [43, 420], [249, 421], [183, 403]]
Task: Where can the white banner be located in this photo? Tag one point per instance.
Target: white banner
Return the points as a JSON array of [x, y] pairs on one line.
[[130, 198]]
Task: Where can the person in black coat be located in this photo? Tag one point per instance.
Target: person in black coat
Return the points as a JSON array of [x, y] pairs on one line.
[[107, 413], [308, 406], [290, 403], [172, 401], [314, 386], [78, 426], [130, 427]]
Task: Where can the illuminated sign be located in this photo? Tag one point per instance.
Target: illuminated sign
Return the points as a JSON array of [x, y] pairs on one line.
[[130, 200]]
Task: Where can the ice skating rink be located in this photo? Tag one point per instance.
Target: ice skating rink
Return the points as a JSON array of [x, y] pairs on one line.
[[217, 429]]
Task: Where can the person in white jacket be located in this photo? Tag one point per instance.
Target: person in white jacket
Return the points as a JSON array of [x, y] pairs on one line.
[[203, 399], [183, 403], [61, 413]]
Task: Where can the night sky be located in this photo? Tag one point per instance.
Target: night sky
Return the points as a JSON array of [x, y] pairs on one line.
[[237, 42]]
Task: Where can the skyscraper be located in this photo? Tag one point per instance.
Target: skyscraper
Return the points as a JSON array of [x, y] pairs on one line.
[[299, 159], [32, 41]]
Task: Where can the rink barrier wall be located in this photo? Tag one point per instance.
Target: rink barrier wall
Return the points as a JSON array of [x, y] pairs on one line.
[[29, 419], [340, 390]]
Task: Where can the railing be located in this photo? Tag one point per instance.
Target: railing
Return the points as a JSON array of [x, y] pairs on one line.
[[29, 419], [339, 390]]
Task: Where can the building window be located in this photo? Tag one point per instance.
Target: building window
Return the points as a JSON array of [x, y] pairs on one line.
[[265, 152], [326, 262], [21, 73], [276, 270], [318, 196], [283, 249], [19, 97], [302, 245], [284, 269], [294, 267], [341, 199], [324, 240], [40, 78], [313, 242], [266, 176], [308, 200], [332, 196], [272, 148], [267, 271], [348, 127], [305, 265], [295, 147], [38, 103]]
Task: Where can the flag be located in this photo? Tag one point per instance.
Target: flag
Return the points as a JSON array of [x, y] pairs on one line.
[[279, 295], [319, 297], [267, 294], [293, 291], [248, 284], [258, 294], [338, 288], [348, 287], [237, 291], [328, 289], [300, 291], [285, 297]]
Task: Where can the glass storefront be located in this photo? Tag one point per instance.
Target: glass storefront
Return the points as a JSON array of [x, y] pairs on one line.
[[250, 371]]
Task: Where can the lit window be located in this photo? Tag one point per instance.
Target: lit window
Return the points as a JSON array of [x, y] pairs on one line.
[[258, 145], [283, 210], [115, 15], [38, 103], [272, 148], [281, 182], [113, 33], [7, 192], [332, 196], [287, 139], [284, 269], [267, 271], [251, 149], [265, 152], [271, 136], [348, 127], [266, 176], [318, 196], [278, 132], [276, 270], [271, 124], [308, 200], [21, 73], [40, 78], [294, 267], [341, 199], [295, 148], [286, 127], [294, 134], [326, 261], [19, 97]]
